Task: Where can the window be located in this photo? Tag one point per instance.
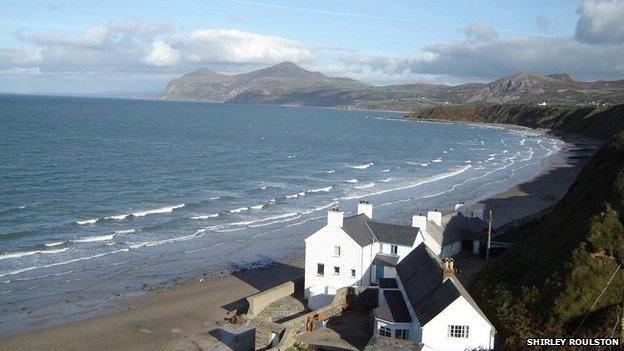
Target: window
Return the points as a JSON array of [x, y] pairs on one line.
[[320, 269], [385, 331], [353, 273], [401, 334], [458, 331], [336, 251], [336, 270], [394, 249]]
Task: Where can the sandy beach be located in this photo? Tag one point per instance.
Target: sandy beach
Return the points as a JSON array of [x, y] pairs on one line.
[[184, 316]]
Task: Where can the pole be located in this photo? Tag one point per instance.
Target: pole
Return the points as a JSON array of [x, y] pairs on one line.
[[487, 252]]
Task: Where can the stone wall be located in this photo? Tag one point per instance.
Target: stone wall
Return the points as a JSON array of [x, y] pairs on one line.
[[261, 300]]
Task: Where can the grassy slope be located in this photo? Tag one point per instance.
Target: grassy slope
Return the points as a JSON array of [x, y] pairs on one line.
[[546, 284]]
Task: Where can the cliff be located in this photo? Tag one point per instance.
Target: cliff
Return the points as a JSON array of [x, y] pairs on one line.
[[547, 283]]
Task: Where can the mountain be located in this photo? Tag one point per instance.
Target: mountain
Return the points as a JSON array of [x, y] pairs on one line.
[[289, 84], [262, 86]]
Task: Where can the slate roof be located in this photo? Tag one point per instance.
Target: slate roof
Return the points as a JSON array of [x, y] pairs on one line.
[[396, 310], [365, 231], [385, 260], [387, 283], [455, 227], [421, 275]]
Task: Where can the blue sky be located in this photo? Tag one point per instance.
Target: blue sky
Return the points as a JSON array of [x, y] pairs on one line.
[[80, 46]]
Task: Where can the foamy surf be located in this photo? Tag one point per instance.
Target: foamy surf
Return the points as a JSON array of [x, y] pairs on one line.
[[364, 166], [326, 189], [19, 254], [212, 215], [91, 239], [87, 221], [167, 209], [413, 185], [364, 186], [351, 180], [437, 160]]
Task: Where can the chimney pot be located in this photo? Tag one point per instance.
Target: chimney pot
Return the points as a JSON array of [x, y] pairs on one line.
[[419, 221], [449, 268]]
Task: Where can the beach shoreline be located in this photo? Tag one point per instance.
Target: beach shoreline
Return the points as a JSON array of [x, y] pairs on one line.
[[181, 315]]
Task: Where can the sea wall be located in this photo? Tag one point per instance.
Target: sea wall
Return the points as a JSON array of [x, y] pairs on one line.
[[261, 300]]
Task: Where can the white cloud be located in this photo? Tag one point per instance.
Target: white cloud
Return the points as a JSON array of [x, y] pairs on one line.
[[601, 22], [236, 46], [162, 55]]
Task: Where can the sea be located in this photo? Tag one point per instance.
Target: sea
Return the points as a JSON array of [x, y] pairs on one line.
[[104, 198]]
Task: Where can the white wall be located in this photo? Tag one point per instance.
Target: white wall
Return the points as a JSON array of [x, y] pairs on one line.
[[460, 312], [320, 249]]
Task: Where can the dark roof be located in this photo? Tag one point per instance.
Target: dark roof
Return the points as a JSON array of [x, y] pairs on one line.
[[384, 343], [395, 310], [365, 231], [421, 275], [456, 227], [385, 260], [387, 283]]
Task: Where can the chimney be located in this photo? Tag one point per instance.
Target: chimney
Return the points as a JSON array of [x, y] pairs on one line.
[[478, 211], [366, 208], [419, 221], [449, 268], [335, 217], [459, 207], [435, 216]]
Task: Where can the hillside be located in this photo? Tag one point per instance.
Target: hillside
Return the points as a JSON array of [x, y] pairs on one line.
[[261, 86], [592, 121], [289, 84], [545, 285]]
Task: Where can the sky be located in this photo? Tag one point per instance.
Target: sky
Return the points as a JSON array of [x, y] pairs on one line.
[[89, 47]]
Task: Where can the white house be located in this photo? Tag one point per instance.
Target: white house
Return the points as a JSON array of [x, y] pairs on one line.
[[353, 251], [357, 251], [426, 303]]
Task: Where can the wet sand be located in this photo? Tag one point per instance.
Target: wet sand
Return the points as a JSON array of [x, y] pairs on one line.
[[186, 316]]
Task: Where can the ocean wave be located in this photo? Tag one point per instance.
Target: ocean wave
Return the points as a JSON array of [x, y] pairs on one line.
[[364, 186], [125, 231], [22, 270], [413, 185], [18, 254], [364, 166], [167, 209], [87, 221], [90, 239], [330, 171], [385, 170], [239, 210], [265, 219], [212, 215], [55, 243], [320, 208], [326, 189], [437, 160], [385, 180], [256, 207], [351, 180]]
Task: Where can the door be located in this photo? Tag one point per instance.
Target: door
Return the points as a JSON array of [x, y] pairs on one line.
[[379, 272]]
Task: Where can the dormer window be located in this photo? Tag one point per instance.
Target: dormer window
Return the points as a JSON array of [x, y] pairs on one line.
[[394, 249], [336, 251]]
